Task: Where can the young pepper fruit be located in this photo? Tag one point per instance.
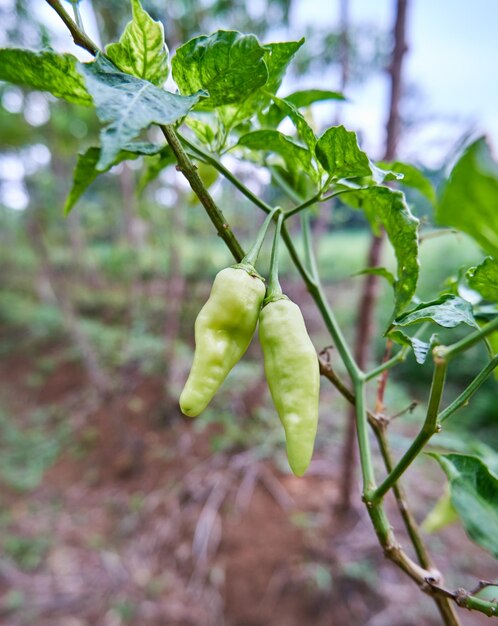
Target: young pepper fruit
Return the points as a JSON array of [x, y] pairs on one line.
[[224, 327], [223, 331], [292, 372]]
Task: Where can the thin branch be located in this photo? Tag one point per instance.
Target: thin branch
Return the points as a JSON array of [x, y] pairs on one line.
[[429, 428], [80, 38], [470, 340], [226, 173], [189, 170], [399, 357], [309, 251], [379, 429], [328, 372], [465, 396], [464, 599], [77, 15], [303, 205]]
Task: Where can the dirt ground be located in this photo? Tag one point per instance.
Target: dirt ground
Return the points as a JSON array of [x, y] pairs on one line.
[[139, 522]]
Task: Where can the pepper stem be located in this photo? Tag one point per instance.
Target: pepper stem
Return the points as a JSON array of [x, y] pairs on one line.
[[252, 256], [274, 290]]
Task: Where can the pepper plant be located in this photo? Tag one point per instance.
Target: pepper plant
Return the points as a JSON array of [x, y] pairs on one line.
[[228, 101]]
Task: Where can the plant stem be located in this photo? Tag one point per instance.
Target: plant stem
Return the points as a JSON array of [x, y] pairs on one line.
[[296, 259], [465, 396], [318, 295], [285, 187], [399, 357], [189, 170], [363, 441], [241, 187], [489, 608], [470, 340], [334, 194], [77, 15], [428, 429], [274, 290], [252, 256], [316, 291], [379, 429], [303, 205], [308, 279], [226, 173], [309, 254], [80, 38], [443, 600]]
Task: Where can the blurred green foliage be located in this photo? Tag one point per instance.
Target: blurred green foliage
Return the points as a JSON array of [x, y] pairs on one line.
[[26, 452]]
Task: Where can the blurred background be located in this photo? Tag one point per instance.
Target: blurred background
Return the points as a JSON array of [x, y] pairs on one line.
[[116, 510]]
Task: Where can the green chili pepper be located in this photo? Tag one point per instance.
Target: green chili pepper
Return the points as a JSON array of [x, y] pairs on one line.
[[292, 372], [291, 368], [223, 331], [224, 328]]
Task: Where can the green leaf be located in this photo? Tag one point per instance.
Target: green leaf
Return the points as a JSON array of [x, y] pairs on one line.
[[303, 128], [411, 177], [203, 130], [141, 50], [474, 494], [296, 157], [470, 198], [46, 71], [493, 342], [86, 168], [420, 348], [338, 152], [378, 271], [448, 311], [298, 181], [227, 64], [386, 207], [300, 99], [277, 57], [442, 514], [484, 279], [154, 166], [129, 105], [306, 97]]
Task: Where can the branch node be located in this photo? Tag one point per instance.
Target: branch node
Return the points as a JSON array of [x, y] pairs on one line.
[[434, 578], [439, 355], [461, 597], [391, 550]]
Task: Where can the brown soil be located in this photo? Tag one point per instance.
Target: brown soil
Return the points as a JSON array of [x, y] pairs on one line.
[[144, 525]]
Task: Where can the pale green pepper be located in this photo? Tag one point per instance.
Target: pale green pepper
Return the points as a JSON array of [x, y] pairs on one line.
[[291, 367], [224, 327], [223, 331], [292, 372]]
